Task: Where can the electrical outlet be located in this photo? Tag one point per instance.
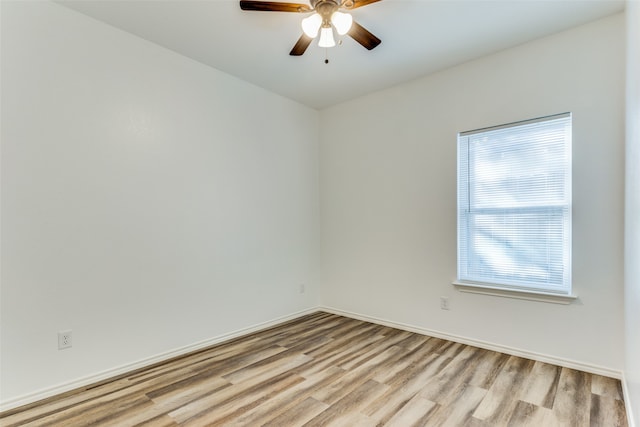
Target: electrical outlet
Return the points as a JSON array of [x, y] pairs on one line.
[[444, 303], [64, 339], [302, 288]]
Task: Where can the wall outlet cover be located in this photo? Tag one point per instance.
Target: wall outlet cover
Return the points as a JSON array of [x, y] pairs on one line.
[[64, 339]]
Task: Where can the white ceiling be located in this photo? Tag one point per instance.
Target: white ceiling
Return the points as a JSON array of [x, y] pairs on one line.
[[418, 38]]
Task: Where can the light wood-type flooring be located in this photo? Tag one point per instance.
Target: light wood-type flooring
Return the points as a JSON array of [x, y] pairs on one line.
[[327, 370]]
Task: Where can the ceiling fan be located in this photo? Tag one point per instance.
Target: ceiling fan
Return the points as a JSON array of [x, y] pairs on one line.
[[327, 16]]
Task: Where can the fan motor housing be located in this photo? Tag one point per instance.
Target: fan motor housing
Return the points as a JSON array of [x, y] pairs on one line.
[[334, 4]]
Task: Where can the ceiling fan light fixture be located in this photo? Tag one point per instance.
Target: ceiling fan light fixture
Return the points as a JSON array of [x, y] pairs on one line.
[[326, 37], [342, 22], [311, 25], [321, 18]]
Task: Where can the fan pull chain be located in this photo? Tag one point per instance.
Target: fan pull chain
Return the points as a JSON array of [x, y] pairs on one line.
[[326, 55]]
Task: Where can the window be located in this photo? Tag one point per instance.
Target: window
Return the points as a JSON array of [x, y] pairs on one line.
[[514, 206]]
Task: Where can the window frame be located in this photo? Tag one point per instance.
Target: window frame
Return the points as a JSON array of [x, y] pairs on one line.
[[537, 292]]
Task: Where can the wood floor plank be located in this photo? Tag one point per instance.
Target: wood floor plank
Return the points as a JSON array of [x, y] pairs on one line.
[[541, 385], [290, 398], [269, 367], [487, 368], [247, 383], [151, 413], [404, 387], [341, 349], [354, 378], [407, 359], [530, 415], [95, 414], [572, 404], [346, 411], [389, 341], [235, 361], [606, 387], [607, 411], [121, 394], [446, 384], [461, 413], [327, 370], [415, 412], [178, 398], [413, 341], [161, 421], [218, 410], [500, 402], [299, 414], [62, 403], [451, 349]]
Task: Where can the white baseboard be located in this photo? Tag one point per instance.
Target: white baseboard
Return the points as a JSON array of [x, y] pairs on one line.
[[123, 369], [627, 402], [586, 367]]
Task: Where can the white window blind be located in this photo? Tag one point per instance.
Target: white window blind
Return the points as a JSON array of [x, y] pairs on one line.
[[514, 205]]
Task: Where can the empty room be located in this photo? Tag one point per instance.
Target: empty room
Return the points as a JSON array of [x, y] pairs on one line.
[[320, 213]]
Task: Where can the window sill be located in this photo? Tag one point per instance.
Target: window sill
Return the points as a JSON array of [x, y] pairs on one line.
[[477, 288]]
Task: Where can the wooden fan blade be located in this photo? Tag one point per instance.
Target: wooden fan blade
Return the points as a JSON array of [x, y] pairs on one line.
[[359, 3], [363, 36], [273, 6], [301, 45]]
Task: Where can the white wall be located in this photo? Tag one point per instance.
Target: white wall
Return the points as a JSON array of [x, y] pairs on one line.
[[388, 195], [632, 213], [148, 201]]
